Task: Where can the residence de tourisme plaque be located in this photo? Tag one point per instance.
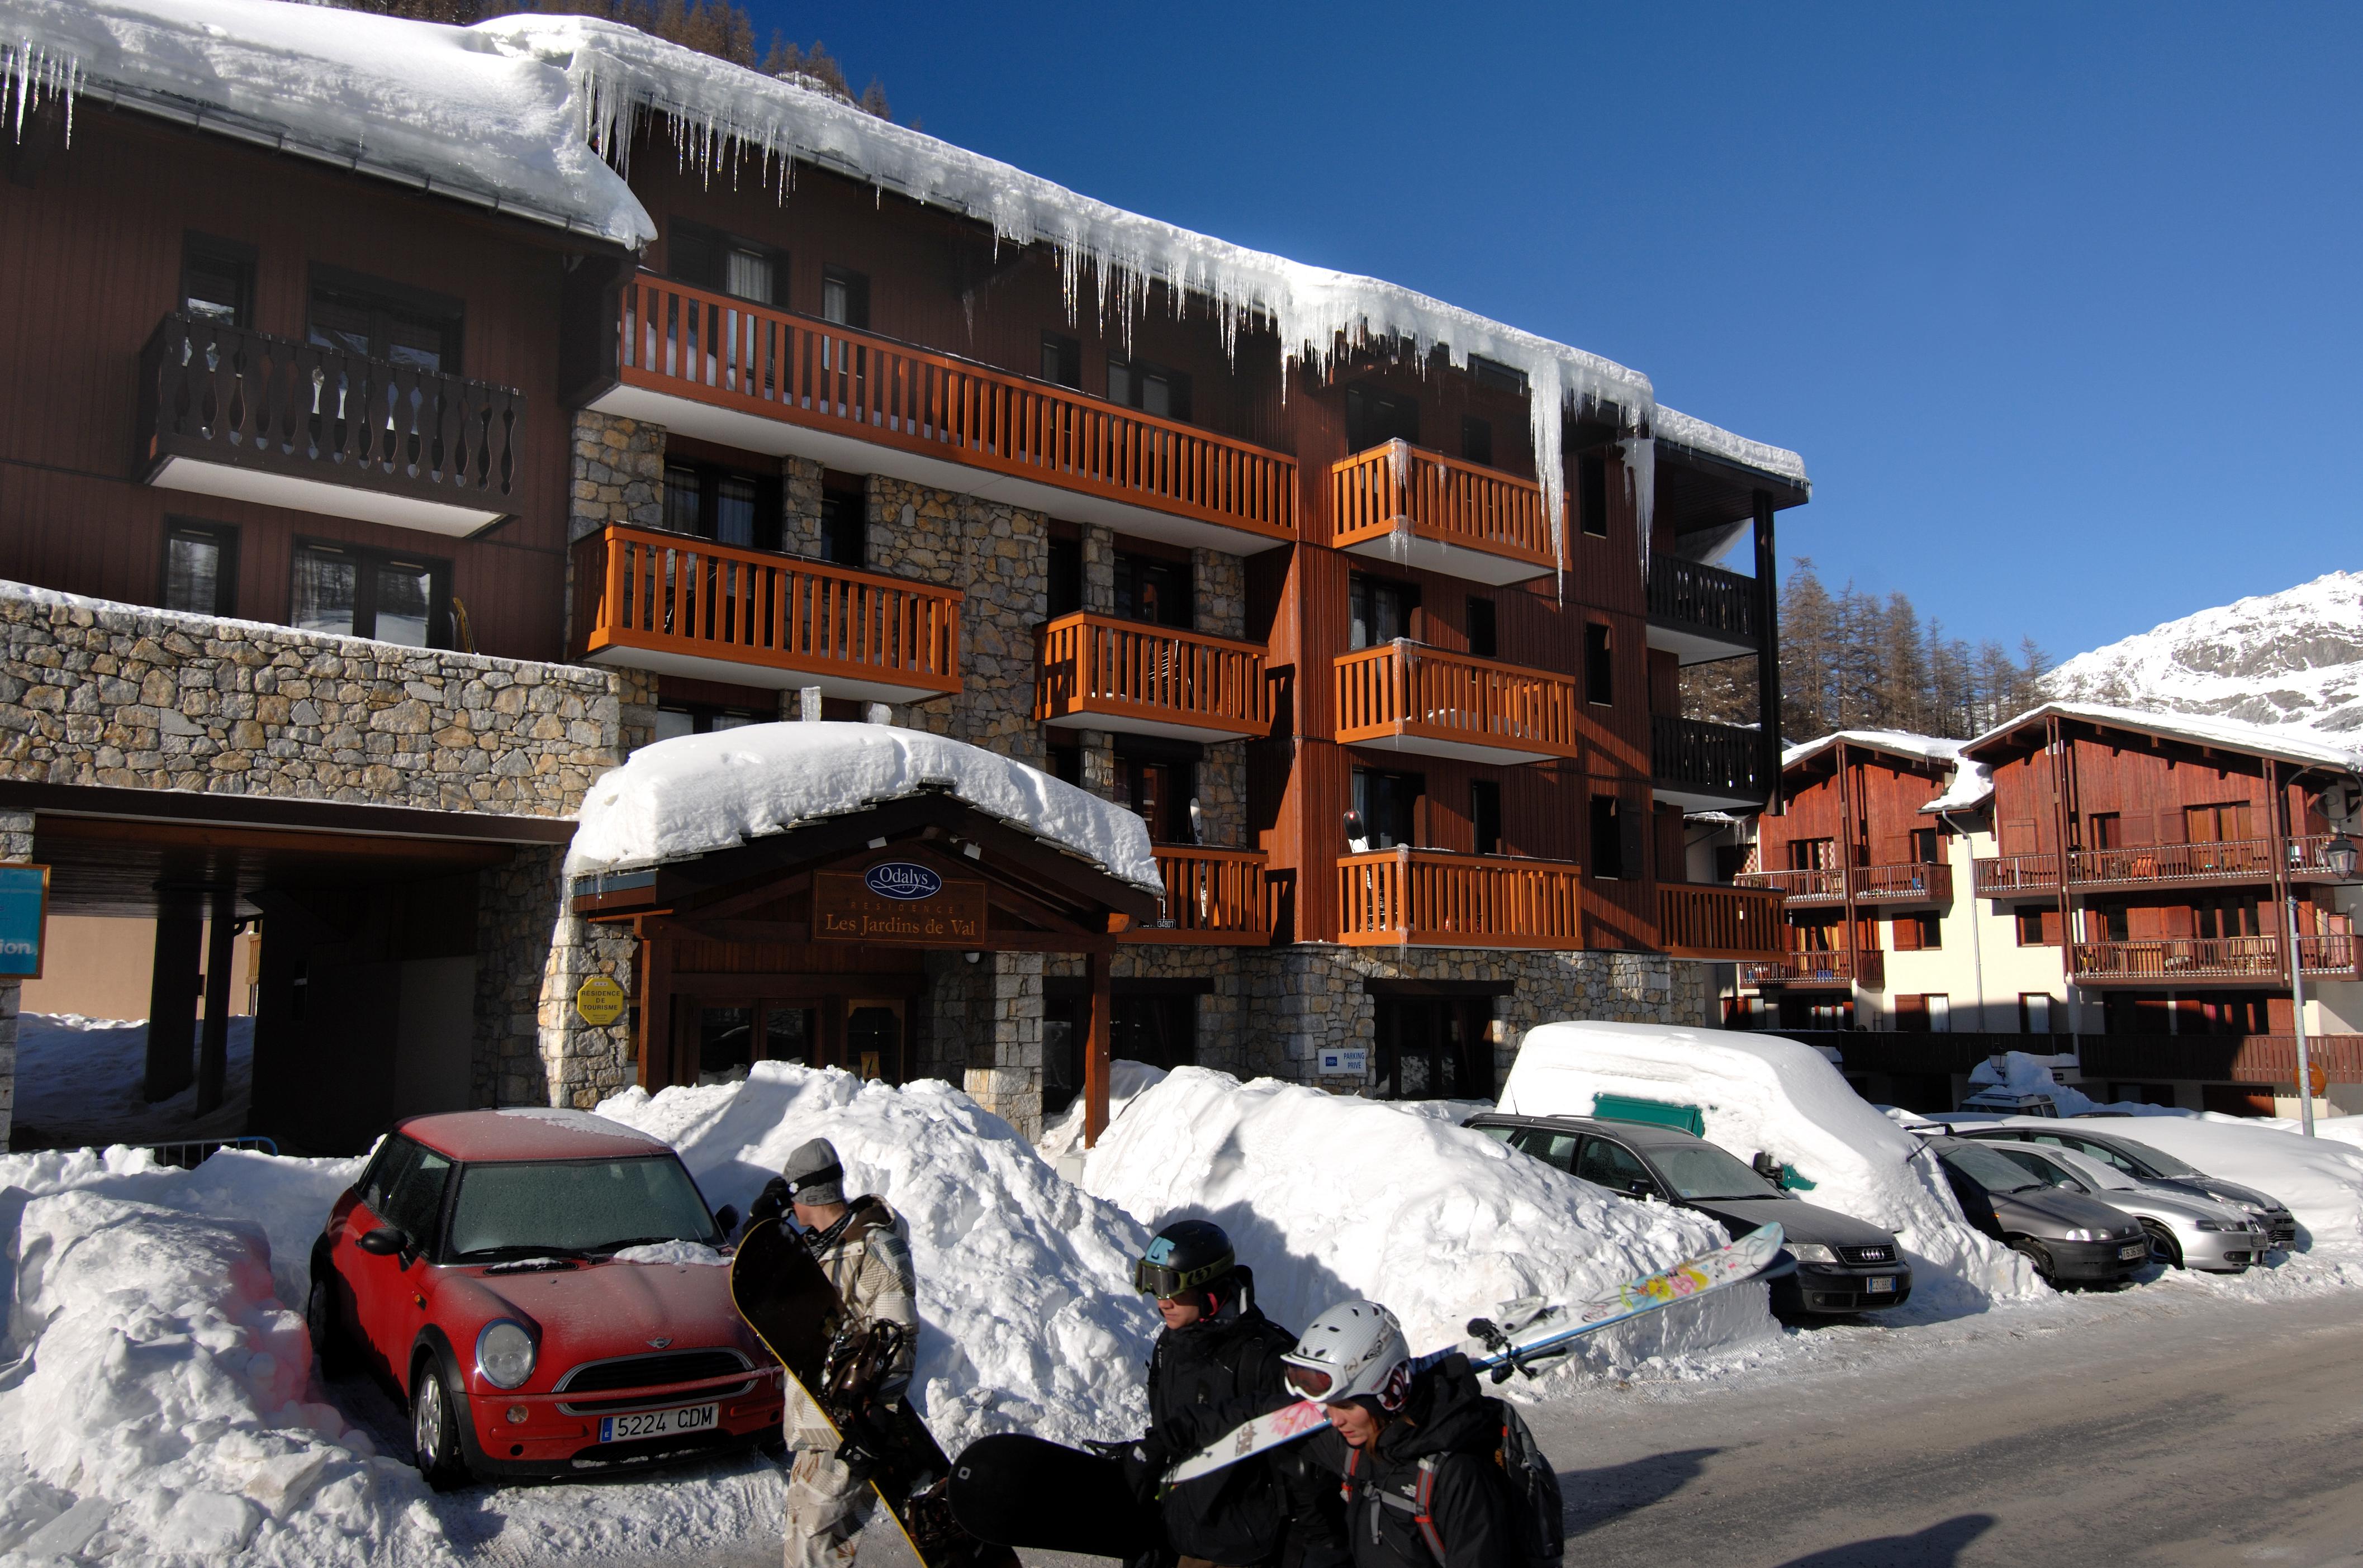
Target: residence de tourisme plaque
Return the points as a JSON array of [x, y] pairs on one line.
[[897, 901]]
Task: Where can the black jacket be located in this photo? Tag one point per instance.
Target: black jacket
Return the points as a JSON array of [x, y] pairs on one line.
[[1203, 1381], [1446, 1417]]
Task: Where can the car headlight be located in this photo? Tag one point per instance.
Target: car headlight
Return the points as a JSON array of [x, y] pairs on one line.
[[504, 1353], [2083, 1235], [1812, 1252], [2223, 1224]]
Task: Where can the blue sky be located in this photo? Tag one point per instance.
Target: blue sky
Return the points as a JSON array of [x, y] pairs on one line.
[[2058, 302]]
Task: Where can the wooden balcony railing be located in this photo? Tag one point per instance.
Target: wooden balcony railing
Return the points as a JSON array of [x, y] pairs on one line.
[[1718, 761], [1843, 967], [2167, 960], [233, 397], [1726, 924], [1398, 492], [748, 357], [1416, 698], [2017, 874], [1909, 882], [1429, 898], [2237, 860], [686, 605], [1703, 599], [1124, 675], [1212, 896], [1811, 885]]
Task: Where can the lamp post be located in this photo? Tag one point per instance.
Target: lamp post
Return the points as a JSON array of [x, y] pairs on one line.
[[2338, 857]]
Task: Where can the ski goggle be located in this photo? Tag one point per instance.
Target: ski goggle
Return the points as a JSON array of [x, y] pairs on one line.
[[1309, 1382], [1165, 1282]]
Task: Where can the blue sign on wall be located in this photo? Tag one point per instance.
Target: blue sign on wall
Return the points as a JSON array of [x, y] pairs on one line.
[[24, 912], [902, 880]]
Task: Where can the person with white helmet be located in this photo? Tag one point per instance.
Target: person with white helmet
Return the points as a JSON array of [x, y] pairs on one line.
[[1415, 1450]]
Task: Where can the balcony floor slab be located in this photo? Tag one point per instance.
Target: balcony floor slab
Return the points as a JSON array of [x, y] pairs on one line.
[[1691, 798], [229, 483], [1691, 645], [1405, 548], [1163, 729], [690, 666], [1458, 751]]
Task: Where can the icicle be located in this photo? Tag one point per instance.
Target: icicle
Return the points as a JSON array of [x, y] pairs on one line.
[[28, 74], [1640, 455]]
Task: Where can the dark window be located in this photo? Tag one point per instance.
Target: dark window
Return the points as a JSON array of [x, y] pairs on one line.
[[1158, 786], [1381, 610], [1374, 417], [200, 567], [1481, 639], [1599, 665], [1062, 360], [217, 279], [2038, 925], [1494, 374], [1159, 1031], [1485, 815], [1477, 440], [844, 297], [709, 258], [2213, 915], [1813, 854], [1066, 576], [1153, 389], [2114, 922], [413, 1204], [698, 719], [1438, 1049], [1614, 1166], [2034, 1012], [1389, 804], [843, 525], [1607, 836], [1924, 848], [1151, 589], [2108, 830], [1591, 494], [354, 593], [727, 505], [384, 321], [1067, 764]]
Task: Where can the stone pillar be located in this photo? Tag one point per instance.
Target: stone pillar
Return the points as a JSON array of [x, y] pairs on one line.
[[1099, 569], [1004, 1039], [1220, 582], [800, 506], [617, 476], [582, 1064], [17, 844]]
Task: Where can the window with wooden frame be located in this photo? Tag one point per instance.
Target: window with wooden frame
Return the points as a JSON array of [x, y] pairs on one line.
[[1389, 805], [2228, 822], [1917, 932], [1599, 665], [1062, 360], [844, 297], [1497, 376], [1609, 859], [727, 505], [2038, 925], [1155, 589], [344, 590], [1157, 780], [709, 258], [1381, 610], [385, 321], [1592, 495], [2035, 1012], [1927, 849], [1482, 642], [200, 567], [1477, 440], [1065, 574], [1153, 388], [844, 520], [217, 279], [1810, 853], [1485, 815], [1375, 416]]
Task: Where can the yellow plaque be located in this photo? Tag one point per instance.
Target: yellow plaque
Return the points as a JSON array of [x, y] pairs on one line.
[[600, 1001]]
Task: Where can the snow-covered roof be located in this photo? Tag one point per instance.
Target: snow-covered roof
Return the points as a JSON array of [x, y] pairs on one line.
[[1972, 787], [1900, 742], [695, 794], [2289, 742], [510, 112]]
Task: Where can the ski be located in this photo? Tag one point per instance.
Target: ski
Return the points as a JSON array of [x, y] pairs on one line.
[[1531, 1333]]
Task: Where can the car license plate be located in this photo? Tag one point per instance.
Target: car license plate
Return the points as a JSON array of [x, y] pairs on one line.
[[2135, 1250], [658, 1423], [1880, 1285]]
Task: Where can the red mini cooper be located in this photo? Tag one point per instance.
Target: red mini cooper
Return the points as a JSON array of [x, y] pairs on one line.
[[476, 1266]]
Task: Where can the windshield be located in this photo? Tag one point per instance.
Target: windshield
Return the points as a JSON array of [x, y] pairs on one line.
[[1703, 1171], [2159, 1163], [1991, 1170], [579, 1207]]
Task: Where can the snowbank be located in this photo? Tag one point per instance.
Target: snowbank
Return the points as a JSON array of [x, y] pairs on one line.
[[78, 1082], [2320, 1179], [1063, 1133], [1329, 1198], [694, 794], [1025, 1282], [1762, 1093]]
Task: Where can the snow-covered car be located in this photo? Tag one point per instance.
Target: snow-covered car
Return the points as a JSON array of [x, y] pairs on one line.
[[1844, 1264], [2154, 1165], [2184, 1232], [2009, 1102], [547, 1292], [2068, 1236]]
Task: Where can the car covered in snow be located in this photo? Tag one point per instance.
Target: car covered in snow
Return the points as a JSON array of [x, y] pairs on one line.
[[545, 1291], [2152, 1165], [2003, 1101], [2069, 1237], [2184, 1232], [1844, 1264]]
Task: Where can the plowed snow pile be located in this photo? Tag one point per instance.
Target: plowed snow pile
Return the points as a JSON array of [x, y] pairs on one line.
[[1024, 1281], [1762, 1093], [1328, 1198]]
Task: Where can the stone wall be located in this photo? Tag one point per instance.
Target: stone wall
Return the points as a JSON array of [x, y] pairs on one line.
[[618, 473]]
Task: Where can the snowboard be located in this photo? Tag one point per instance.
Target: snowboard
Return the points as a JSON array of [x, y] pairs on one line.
[[1001, 1486], [780, 1290], [1531, 1334]]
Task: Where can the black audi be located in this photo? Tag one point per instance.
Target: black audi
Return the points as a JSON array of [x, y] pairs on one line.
[[1844, 1264]]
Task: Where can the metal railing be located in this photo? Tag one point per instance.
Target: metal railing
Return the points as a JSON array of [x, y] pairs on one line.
[[2016, 874], [2171, 959], [1841, 967]]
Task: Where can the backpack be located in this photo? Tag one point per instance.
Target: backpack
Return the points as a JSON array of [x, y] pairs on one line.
[[1538, 1512]]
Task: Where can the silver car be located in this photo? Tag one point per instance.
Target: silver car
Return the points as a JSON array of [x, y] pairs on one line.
[[2184, 1232], [2086, 1136]]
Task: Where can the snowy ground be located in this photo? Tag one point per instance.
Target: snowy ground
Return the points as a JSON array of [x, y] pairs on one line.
[[78, 1083]]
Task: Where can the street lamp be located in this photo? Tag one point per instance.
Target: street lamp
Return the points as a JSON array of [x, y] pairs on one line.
[[2338, 855], [2338, 859]]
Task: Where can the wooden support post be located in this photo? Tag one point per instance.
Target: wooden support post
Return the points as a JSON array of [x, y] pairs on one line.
[[173, 992], [656, 1009], [213, 1049], [1095, 1052], [1768, 651]]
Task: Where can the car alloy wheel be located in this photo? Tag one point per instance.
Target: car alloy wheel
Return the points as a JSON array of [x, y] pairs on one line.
[[434, 1429], [2038, 1254], [2163, 1247]]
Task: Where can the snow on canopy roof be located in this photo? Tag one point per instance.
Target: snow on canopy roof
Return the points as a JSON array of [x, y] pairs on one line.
[[1902, 743], [2287, 743], [1972, 786], [695, 794]]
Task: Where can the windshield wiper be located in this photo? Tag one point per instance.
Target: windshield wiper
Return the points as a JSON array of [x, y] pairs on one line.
[[514, 1251], [605, 1247], [533, 1264]]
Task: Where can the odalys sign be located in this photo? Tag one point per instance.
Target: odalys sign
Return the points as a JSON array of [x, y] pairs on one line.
[[24, 916], [898, 903]]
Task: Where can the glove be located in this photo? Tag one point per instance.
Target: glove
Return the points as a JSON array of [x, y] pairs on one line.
[[1141, 1458], [769, 1204]]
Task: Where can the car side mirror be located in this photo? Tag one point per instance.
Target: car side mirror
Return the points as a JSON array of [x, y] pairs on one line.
[[1638, 1189], [1770, 1169], [383, 1241], [726, 1219]]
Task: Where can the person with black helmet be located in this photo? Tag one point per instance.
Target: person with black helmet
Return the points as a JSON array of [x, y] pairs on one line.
[[1415, 1449], [1217, 1365]]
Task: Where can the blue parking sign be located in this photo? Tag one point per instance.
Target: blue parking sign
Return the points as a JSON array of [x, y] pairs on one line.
[[23, 913]]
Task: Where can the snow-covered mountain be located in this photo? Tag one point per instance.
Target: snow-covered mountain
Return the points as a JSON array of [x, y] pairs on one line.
[[2292, 657]]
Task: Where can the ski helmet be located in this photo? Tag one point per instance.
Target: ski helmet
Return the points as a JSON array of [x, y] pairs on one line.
[[1354, 1351], [1188, 1255]]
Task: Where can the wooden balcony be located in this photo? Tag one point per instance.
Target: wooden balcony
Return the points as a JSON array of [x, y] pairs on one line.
[[1705, 921], [1099, 673], [2177, 961], [1399, 503], [686, 606], [1404, 696], [1212, 898], [2003, 874], [1702, 766], [1431, 898], [749, 376], [1909, 882], [229, 411], [1812, 885], [1701, 612], [1842, 969], [2157, 864]]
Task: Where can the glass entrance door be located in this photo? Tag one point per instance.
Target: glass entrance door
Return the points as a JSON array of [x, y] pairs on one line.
[[873, 1037]]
